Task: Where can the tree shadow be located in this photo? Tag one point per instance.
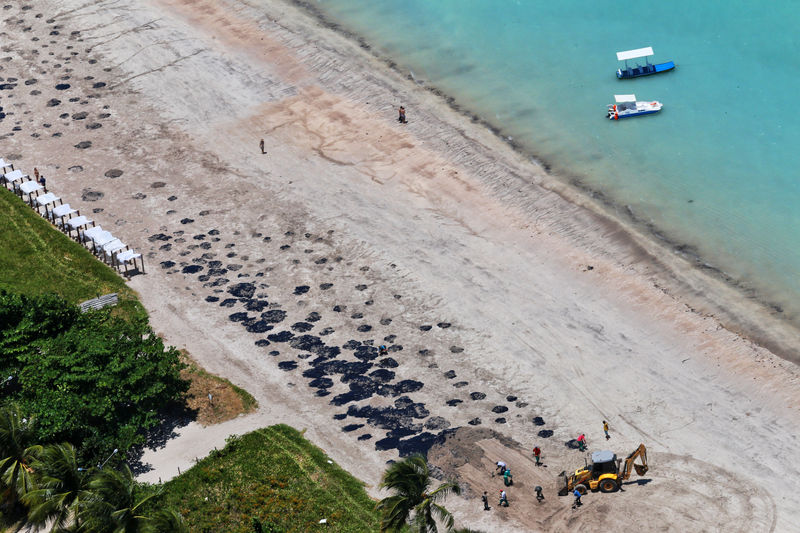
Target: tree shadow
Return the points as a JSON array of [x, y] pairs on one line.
[[173, 417]]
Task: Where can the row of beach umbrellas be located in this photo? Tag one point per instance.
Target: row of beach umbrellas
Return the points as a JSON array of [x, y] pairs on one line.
[[99, 241]]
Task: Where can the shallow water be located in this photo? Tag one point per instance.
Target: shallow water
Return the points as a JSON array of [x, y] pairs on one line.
[[716, 169]]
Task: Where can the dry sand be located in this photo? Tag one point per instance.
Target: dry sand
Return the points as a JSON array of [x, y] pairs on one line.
[[509, 311]]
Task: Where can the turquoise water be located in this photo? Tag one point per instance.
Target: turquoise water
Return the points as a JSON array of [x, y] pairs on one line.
[[716, 169]]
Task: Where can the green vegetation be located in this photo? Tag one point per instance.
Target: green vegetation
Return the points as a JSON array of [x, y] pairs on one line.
[[94, 379], [410, 481], [272, 479], [43, 486], [37, 259]]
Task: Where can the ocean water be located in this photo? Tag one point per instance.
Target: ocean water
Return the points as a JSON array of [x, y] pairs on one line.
[[717, 169]]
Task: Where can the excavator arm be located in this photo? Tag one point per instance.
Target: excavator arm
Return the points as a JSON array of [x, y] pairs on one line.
[[629, 466]]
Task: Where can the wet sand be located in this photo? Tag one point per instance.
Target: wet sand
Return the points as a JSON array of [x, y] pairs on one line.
[[505, 304]]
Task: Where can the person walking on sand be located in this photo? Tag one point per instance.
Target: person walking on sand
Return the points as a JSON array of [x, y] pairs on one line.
[[503, 498], [261, 145], [401, 118], [501, 467], [605, 429], [577, 495], [537, 454], [539, 495], [582, 442], [485, 499]]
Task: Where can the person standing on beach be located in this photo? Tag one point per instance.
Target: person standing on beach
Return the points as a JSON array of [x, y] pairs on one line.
[[402, 115], [39, 179], [539, 495], [485, 499], [261, 145], [537, 454], [581, 442], [605, 429]]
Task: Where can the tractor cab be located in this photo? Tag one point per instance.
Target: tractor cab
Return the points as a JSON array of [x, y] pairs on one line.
[[604, 462]]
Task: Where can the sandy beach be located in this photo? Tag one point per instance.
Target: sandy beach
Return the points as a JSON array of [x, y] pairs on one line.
[[515, 313]]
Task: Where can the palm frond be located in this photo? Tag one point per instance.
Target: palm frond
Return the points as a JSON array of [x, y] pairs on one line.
[[423, 519], [60, 486], [444, 516], [395, 511], [444, 490], [166, 521]]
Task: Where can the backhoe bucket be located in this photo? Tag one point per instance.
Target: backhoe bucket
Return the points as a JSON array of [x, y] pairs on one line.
[[640, 469], [564, 490]]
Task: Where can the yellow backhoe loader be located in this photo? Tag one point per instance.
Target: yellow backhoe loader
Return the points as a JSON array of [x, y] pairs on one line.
[[604, 473]]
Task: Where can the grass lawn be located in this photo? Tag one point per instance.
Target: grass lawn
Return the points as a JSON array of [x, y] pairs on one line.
[[275, 476], [37, 258]]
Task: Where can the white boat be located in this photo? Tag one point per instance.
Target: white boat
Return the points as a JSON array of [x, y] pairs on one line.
[[627, 106]]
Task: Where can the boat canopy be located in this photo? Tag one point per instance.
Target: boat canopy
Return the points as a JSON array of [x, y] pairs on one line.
[[633, 54], [622, 98]]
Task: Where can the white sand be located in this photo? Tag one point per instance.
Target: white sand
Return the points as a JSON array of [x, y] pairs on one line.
[[444, 215]]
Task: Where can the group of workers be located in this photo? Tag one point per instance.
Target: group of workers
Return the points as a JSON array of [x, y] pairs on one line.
[[508, 480]]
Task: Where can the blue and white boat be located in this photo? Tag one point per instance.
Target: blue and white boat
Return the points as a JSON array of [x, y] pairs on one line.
[[640, 70], [627, 106]]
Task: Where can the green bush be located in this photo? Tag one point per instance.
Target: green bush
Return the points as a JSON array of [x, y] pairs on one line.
[[95, 379]]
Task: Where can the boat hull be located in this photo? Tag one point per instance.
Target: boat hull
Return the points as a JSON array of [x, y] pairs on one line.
[[636, 114], [625, 110], [646, 70]]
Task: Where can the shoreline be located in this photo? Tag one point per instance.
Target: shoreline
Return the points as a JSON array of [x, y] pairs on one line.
[[667, 254], [503, 306]]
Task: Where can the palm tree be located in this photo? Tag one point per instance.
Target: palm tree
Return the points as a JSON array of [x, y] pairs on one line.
[[115, 505], [410, 480], [61, 487], [17, 453], [166, 521]]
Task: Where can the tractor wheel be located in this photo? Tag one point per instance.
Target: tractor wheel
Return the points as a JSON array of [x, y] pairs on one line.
[[608, 485], [581, 488]]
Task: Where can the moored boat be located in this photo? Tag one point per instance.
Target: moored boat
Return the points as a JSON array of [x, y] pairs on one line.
[[627, 106], [641, 70]]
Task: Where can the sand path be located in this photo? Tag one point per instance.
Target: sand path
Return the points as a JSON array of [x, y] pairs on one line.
[[433, 238]]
